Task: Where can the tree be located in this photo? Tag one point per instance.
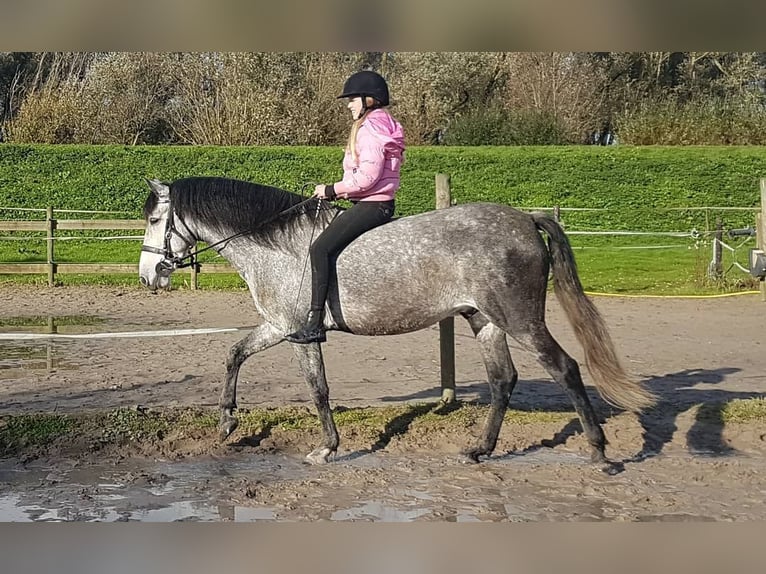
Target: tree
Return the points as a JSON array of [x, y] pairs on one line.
[[230, 98], [563, 85], [260, 98], [16, 68]]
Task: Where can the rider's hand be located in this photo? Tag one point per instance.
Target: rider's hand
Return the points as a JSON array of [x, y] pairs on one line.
[[323, 191]]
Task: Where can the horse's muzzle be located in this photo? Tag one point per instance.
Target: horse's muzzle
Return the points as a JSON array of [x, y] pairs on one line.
[[164, 268], [159, 283]]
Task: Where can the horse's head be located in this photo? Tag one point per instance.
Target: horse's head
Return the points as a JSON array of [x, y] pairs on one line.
[[165, 245]]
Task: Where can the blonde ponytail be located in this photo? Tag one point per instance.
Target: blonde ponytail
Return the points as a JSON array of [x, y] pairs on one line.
[[351, 144]]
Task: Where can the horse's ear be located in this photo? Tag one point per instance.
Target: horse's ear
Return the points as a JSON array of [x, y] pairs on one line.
[[158, 188]]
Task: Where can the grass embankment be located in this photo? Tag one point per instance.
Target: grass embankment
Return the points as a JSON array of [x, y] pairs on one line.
[[97, 430], [651, 189]]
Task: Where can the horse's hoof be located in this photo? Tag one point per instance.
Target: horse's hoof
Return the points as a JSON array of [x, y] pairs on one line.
[[612, 468], [227, 426], [321, 455], [471, 456]]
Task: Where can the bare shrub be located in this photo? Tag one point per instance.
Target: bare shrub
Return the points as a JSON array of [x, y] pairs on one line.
[[50, 108], [222, 98], [667, 121], [562, 85], [429, 89], [95, 99], [259, 98], [124, 96]]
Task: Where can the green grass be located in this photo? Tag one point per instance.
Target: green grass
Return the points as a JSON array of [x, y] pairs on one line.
[[657, 266], [125, 424], [632, 182], [76, 250], [648, 188], [118, 426], [33, 430], [745, 411]]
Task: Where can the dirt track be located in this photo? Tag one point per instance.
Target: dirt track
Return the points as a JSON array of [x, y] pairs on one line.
[[695, 353]]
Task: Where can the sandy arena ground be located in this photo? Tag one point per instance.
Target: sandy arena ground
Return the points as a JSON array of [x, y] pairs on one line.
[[681, 462]]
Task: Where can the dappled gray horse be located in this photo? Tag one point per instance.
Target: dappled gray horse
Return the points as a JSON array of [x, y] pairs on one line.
[[486, 262]]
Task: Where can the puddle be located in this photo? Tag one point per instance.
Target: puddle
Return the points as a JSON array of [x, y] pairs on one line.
[[375, 487], [35, 356], [539, 456], [40, 354], [14, 509], [76, 325], [50, 324], [216, 489], [140, 492], [379, 511], [674, 518]]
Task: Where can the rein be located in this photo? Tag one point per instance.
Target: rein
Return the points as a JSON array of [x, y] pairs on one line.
[[172, 262]]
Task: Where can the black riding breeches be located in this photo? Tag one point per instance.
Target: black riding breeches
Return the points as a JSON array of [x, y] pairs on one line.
[[347, 226]]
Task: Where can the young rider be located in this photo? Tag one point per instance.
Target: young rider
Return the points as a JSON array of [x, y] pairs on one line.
[[371, 165]]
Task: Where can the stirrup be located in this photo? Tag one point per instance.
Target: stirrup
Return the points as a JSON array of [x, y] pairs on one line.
[[305, 336]]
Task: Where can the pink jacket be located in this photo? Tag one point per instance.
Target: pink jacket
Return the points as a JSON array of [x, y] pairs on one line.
[[379, 148]]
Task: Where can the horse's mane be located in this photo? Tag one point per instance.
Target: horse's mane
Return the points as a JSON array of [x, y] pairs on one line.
[[231, 206]]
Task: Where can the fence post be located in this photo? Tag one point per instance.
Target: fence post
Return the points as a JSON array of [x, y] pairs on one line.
[[760, 226], [446, 326], [50, 225], [716, 265], [52, 328]]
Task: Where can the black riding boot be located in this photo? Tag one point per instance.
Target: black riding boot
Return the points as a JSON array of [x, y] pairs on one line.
[[312, 331]]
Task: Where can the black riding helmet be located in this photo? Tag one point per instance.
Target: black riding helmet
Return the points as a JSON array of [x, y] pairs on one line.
[[366, 83]]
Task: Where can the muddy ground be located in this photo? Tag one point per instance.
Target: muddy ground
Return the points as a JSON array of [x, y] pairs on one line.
[[682, 461]]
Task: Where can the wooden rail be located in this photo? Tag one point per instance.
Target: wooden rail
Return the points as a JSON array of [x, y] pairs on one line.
[[72, 224], [51, 225]]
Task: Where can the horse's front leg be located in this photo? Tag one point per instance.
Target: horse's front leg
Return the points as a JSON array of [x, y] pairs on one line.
[[262, 337], [312, 367]]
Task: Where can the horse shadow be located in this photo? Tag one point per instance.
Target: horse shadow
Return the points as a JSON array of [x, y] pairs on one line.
[[397, 426], [677, 395], [676, 392]]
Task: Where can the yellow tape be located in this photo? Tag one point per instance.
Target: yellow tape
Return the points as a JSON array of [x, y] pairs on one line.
[[672, 296]]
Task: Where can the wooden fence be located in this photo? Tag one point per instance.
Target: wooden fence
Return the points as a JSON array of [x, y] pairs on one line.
[[51, 225]]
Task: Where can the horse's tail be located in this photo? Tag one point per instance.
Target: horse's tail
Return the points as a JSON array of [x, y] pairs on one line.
[[611, 380]]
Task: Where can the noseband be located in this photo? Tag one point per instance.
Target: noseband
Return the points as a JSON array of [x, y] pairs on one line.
[[171, 262]]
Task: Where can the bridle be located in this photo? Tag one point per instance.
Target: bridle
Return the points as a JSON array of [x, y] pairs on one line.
[[170, 262]]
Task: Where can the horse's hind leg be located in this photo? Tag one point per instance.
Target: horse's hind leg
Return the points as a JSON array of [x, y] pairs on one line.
[[312, 367], [501, 376], [565, 371], [258, 339]]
